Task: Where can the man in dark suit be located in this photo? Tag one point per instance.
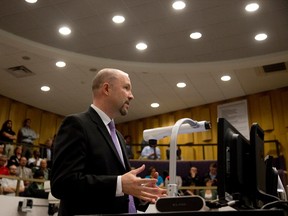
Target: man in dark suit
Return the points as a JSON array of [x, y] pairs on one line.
[[88, 174]]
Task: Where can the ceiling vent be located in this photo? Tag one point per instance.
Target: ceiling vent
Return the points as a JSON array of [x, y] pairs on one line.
[[274, 67], [20, 71]]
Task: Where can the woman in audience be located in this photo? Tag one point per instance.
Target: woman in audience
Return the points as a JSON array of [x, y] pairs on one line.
[[36, 189], [7, 136], [193, 179], [153, 174], [208, 193]]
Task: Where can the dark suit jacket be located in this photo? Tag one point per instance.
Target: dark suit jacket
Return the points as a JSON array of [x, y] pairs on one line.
[[86, 165]]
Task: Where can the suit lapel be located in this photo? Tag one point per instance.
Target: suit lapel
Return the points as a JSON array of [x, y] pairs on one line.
[[102, 128]]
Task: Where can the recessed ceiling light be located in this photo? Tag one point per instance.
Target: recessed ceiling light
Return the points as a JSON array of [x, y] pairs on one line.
[[45, 88], [225, 78], [141, 46], [155, 105], [261, 37], [252, 7], [64, 30], [31, 1], [179, 5], [118, 19], [195, 35], [181, 85], [60, 64]]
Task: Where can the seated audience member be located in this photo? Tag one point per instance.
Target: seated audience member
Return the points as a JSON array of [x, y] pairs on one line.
[[23, 171], [192, 179], [36, 189], [15, 158], [151, 152], [44, 168], [10, 185], [129, 151], [35, 160], [3, 165], [178, 182], [178, 153], [208, 194], [7, 136], [152, 173], [48, 151], [212, 174]]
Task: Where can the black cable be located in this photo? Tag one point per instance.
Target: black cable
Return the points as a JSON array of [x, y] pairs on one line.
[[279, 204]]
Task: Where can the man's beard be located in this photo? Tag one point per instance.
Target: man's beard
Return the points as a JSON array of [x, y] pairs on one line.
[[123, 111]]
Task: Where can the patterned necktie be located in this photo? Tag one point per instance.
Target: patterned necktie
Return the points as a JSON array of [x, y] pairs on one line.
[[111, 125]]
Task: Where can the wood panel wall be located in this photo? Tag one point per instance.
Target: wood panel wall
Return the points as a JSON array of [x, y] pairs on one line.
[[44, 123], [269, 109]]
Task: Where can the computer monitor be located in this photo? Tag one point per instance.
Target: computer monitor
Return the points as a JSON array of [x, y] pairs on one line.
[[264, 183], [242, 171], [234, 163]]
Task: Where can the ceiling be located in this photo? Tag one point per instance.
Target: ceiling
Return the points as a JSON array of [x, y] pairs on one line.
[[29, 37]]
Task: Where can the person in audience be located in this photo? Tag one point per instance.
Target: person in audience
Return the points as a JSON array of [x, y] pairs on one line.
[[48, 151], [208, 193], [15, 158], [212, 174], [3, 165], [2, 149], [178, 182], [129, 151], [192, 179], [44, 168], [23, 171], [36, 189], [26, 136], [87, 159], [151, 152], [34, 161], [152, 173], [10, 185], [7, 137], [178, 153]]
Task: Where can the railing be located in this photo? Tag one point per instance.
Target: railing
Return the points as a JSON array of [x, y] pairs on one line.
[[18, 181]]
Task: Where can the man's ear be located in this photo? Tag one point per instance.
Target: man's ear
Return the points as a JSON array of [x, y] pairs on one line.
[[105, 88]]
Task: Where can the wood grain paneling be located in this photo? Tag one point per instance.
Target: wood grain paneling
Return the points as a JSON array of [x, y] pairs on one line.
[[266, 113], [5, 104], [269, 109], [284, 97]]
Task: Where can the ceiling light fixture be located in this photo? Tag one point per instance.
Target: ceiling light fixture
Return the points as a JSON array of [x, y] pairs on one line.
[[261, 37], [45, 88], [118, 19], [31, 1], [195, 35], [179, 5], [225, 78], [252, 7], [141, 46], [60, 64], [155, 105], [65, 30], [181, 85]]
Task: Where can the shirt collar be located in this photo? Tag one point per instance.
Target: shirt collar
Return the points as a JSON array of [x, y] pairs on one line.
[[102, 115]]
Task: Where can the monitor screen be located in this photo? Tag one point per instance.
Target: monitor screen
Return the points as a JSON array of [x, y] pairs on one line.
[[234, 162], [243, 172]]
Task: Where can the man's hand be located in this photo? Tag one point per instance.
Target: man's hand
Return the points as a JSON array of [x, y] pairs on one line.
[[144, 189]]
